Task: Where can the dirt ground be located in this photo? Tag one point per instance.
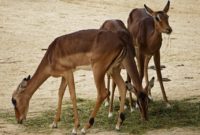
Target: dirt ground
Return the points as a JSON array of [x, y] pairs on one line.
[[27, 26]]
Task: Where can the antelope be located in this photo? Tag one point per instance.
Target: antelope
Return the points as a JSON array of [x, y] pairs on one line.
[[146, 27], [117, 26], [98, 50]]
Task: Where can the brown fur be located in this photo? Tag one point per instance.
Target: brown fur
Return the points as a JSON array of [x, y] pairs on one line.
[[117, 26], [102, 50], [146, 28]]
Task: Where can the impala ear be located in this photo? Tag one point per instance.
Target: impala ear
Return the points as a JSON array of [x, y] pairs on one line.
[[130, 87], [150, 85], [24, 83], [28, 78], [148, 10], [166, 8]]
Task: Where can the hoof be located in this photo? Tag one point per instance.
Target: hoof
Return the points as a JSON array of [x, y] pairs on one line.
[[129, 86], [54, 125], [110, 114], [132, 109], [74, 132], [136, 106], [106, 104], [125, 107], [83, 132], [168, 105], [150, 97], [117, 128]]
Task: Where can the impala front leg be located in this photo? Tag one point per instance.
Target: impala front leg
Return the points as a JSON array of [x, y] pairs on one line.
[[159, 75], [74, 102], [102, 93], [146, 63], [140, 59], [61, 92]]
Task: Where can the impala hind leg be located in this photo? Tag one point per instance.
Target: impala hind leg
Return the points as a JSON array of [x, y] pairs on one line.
[[61, 92], [71, 84], [107, 102], [129, 87], [159, 75], [110, 111], [132, 109], [122, 91], [102, 93]]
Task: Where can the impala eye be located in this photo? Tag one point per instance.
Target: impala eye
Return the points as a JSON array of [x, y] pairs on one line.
[[157, 19]]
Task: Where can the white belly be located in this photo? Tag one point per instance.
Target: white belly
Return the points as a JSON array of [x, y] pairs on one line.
[[88, 68]]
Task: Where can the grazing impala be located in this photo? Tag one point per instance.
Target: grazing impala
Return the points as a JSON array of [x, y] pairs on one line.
[[102, 51], [115, 26], [146, 28]]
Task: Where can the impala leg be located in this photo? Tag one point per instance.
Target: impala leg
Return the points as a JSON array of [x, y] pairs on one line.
[[159, 75], [146, 63], [141, 66], [130, 95], [110, 111], [108, 87], [122, 90], [102, 93], [140, 60], [74, 102], [131, 102], [61, 92]]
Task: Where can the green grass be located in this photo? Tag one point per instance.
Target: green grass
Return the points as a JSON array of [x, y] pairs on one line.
[[182, 114]]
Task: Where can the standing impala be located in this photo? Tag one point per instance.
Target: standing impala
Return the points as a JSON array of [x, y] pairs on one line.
[[102, 51], [146, 28]]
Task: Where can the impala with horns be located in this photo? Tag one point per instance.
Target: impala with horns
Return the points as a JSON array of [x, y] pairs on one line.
[[146, 27], [117, 25], [103, 51]]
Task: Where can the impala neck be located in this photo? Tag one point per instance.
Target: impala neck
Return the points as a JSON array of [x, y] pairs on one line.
[[131, 68], [37, 79], [154, 40]]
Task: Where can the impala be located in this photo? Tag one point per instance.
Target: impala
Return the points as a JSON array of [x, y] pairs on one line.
[[102, 52], [146, 27], [117, 26]]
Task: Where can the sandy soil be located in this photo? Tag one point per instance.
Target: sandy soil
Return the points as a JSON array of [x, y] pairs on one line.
[[27, 26]]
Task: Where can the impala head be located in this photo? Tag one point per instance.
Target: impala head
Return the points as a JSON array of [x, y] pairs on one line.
[[142, 102], [160, 19], [20, 101], [143, 99]]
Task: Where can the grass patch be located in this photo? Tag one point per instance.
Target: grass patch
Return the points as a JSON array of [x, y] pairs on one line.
[[182, 114]]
